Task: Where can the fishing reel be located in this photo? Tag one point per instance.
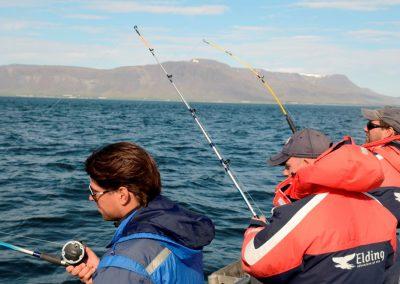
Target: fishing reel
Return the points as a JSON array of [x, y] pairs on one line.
[[73, 252]]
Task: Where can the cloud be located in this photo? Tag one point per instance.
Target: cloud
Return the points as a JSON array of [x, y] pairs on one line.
[[89, 29], [151, 7], [356, 5], [19, 4], [37, 28], [253, 28], [374, 35], [13, 25], [386, 23], [125, 50], [86, 17], [136, 7], [43, 5], [34, 51], [17, 25]]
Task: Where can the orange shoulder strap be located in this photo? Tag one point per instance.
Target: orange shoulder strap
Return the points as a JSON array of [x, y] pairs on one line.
[[391, 154]]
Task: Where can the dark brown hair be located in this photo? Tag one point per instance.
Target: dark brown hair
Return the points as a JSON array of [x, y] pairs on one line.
[[387, 126], [383, 124], [125, 164]]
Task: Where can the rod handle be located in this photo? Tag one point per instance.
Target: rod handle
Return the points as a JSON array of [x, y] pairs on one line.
[[291, 123], [52, 259]]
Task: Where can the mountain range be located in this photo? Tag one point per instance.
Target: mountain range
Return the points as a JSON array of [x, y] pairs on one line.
[[200, 80]]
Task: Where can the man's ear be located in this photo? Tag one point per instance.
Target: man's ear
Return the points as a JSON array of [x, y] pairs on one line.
[[390, 132], [124, 195], [127, 198]]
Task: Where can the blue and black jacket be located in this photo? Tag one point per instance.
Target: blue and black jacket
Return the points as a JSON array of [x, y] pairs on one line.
[[390, 198], [160, 243]]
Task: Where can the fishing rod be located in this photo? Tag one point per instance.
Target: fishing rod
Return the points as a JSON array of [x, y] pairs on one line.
[[224, 163], [261, 78], [72, 253]]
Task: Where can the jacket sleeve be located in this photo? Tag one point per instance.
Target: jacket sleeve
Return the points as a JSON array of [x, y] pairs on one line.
[[274, 253], [117, 275]]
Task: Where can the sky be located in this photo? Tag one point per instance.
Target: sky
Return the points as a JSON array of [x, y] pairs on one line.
[[360, 39]]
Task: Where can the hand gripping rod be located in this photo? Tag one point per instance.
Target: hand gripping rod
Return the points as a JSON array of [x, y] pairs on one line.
[[261, 78], [224, 163]]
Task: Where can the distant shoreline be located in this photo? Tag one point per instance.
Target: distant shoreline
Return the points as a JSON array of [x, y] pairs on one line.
[[178, 101]]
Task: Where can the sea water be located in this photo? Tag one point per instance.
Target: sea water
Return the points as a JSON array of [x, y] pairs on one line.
[[43, 186]]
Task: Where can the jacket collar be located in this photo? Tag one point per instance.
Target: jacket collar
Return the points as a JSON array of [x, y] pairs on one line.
[[121, 227], [382, 142]]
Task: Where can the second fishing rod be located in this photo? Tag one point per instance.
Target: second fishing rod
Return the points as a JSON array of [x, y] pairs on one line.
[[265, 84], [224, 163]]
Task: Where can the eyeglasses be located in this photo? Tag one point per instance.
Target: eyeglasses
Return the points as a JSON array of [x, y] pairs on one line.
[[371, 125], [96, 194]]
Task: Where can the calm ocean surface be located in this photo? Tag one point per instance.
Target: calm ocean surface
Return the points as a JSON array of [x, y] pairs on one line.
[[43, 187]]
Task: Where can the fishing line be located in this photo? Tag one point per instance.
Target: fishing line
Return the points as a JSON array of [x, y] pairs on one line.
[[261, 78], [225, 163], [30, 238]]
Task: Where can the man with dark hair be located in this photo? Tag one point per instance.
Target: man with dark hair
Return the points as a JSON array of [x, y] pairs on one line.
[[383, 139], [156, 241]]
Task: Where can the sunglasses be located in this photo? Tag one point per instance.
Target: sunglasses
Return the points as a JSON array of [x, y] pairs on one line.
[[371, 125], [96, 194]]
